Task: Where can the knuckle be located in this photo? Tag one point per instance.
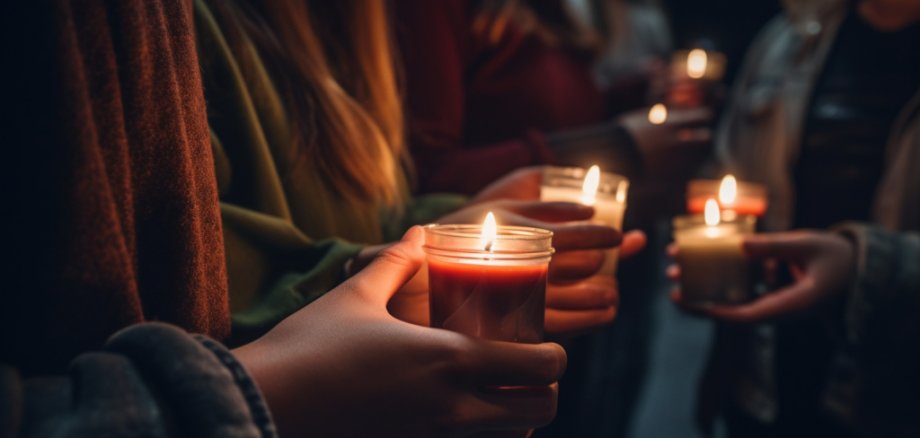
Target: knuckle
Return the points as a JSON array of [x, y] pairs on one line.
[[397, 255]]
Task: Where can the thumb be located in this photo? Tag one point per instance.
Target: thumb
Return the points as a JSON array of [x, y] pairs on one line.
[[391, 268]]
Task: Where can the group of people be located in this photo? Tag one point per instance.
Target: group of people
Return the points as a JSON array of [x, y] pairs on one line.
[[218, 205]]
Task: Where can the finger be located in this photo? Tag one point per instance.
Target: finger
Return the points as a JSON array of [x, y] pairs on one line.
[[495, 363], [549, 211], [672, 250], [672, 272], [518, 408], [571, 322], [786, 246], [571, 266], [582, 296], [584, 236], [793, 299], [391, 268], [633, 242]]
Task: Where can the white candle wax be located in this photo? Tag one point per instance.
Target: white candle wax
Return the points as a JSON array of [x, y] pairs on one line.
[[609, 204], [713, 266]]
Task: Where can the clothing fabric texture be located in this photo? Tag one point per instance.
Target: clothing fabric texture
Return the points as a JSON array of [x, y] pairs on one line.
[[481, 102], [151, 380], [288, 234], [119, 224], [116, 210], [760, 139]]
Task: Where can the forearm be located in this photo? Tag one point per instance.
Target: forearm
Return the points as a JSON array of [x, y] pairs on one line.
[[885, 299], [609, 146]]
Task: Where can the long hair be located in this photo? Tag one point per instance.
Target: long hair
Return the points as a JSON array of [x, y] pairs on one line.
[[333, 63]]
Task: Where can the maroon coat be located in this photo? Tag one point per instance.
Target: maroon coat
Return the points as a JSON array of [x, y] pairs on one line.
[[476, 108]]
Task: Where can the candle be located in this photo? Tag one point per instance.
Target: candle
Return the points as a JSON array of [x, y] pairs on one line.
[[606, 192], [713, 266], [488, 281], [697, 64], [735, 197], [658, 114]]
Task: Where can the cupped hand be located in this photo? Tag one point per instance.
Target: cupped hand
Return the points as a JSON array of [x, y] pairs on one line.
[[343, 366], [822, 264]]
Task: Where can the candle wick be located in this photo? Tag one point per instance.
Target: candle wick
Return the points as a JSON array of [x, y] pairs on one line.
[[489, 246]]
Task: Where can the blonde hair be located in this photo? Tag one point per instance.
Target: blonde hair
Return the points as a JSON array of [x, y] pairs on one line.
[[334, 65]]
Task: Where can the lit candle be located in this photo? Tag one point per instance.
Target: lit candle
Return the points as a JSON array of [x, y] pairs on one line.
[[735, 197], [697, 64], [606, 192], [713, 266], [658, 114], [488, 281]]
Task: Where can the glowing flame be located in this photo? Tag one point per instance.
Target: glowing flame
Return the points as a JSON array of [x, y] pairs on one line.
[[489, 232], [658, 114], [728, 191], [589, 188], [711, 213], [621, 192], [696, 63]]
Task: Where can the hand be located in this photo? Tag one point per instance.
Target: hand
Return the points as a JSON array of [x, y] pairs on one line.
[[343, 366], [822, 264], [579, 307], [674, 147]]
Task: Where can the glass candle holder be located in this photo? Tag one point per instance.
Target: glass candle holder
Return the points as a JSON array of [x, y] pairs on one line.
[[608, 199], [713, 266], [751, 198], [494, 291]]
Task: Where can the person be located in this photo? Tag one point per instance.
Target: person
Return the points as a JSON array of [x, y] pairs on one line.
[[869, 276], [313, 170], [119, 259], [490, 83], [825, 114]]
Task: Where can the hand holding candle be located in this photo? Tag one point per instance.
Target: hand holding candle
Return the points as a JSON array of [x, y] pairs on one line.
[[345, 353], [713, 267], [606, 193], [488, 281], [695, 76]]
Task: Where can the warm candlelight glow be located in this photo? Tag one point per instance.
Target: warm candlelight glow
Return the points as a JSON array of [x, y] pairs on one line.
[[589, 188], [621, 192], [658, 114], [711, 213], [696, 63], [728, 191], [489, 232]]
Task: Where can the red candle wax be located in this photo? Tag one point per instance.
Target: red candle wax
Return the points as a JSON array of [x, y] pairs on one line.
[[502, 303], [743, 206]]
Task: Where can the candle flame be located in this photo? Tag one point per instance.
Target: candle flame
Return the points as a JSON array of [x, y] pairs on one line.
[[728, 191], [711, 213], [658, 114], [621, 192], [696, 63], [589, 188], [489, 232]]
